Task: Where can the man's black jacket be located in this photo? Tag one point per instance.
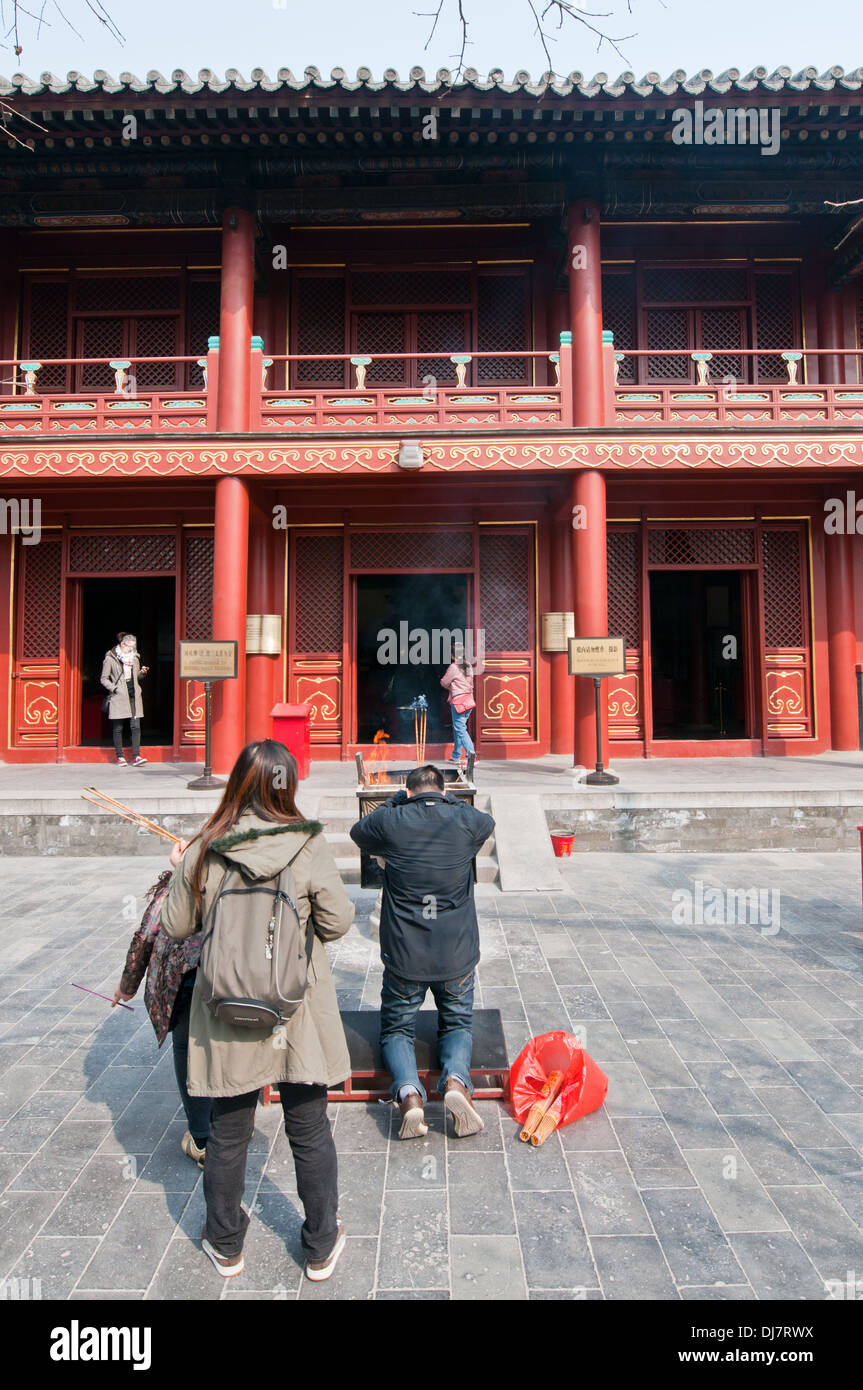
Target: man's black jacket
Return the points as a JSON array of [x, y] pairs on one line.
[[428, 920]]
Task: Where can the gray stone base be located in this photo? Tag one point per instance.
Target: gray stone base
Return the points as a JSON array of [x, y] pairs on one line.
[[726, 827]]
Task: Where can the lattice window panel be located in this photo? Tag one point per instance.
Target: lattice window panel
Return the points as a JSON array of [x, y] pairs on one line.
[[40, 625], [156, 337], [379, 333], [701, 546], [682, 285], [504, 583], [774, 323], [668, 328], [319, 597], [440, 332], [501, 325], [783, 602], [403, 288], [320, 328], [724, 328], [121, 554], [202, 322], [105, 338], [127, 294], [624, 586], [619, 315], [412, 550], [48, 332], [199, 587]]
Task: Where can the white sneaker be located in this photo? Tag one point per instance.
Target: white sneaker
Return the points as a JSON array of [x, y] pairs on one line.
[[322, 1269]]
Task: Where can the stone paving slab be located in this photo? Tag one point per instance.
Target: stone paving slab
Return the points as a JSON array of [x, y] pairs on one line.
[[725, 1164]]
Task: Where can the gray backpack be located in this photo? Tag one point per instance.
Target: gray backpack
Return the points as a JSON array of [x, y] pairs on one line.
[[254, 962]]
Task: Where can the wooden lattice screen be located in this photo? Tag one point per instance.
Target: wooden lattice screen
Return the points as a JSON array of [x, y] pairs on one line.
[[625, 711], [196, 624], [691, 308], [506, 689], [121, 315], [787, 650], [374, 312], [37, 656], [316, 604]]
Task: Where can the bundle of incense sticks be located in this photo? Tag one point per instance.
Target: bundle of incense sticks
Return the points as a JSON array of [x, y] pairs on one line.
[[548, 1124], [540, 1107], [108, 803]]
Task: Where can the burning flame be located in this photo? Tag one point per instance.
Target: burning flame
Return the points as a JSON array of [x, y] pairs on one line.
[[377, 775]]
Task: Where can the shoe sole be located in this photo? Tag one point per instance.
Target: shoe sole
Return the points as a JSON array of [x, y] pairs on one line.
[[318, 1275], [465, 1118], [413, 1125], [227, 1272]]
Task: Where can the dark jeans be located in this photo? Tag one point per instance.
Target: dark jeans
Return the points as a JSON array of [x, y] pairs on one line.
[[135, 726], [400, 1003], [197, 1108], [311, 1139]]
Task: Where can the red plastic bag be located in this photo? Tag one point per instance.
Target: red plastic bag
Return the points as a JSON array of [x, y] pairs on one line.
[[582, 1090]]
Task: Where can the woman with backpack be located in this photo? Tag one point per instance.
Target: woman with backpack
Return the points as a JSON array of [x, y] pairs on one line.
[[255, 869], [458, 683]]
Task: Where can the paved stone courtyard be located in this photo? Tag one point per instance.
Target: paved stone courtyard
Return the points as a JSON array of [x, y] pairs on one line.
[[726, 1162]]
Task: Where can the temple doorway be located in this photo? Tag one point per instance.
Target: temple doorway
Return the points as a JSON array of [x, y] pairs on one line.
[[145, 607], [404, 624], [700, 653]]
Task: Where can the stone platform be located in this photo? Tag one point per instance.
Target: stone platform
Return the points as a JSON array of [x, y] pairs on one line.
[[686, 805]]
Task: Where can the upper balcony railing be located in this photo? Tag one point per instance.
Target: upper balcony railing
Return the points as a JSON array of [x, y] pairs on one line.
[[442, 402], [718, 397]]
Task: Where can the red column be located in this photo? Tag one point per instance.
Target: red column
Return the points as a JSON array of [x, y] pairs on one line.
[[231, 545], [261, 667], [562, 694], [585, 313], [842, 647], [235, 318], [590, 605], [230, 576], [831, 333]]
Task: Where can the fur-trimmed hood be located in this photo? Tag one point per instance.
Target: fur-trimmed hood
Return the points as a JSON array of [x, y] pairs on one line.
[[260, 849]]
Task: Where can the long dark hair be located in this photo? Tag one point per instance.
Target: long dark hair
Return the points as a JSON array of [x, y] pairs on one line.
[[263, 780]]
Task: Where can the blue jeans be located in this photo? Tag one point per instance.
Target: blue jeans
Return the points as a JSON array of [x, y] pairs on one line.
[[400, 1003], [197, 1108], [461, 737]]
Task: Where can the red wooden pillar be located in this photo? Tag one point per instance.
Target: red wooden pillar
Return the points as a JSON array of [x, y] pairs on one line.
[[562, 694], [590, 605], [230, 576], [235, 318], [585, 313], [261, 667], [842, 647], [231, 544], [831, 333]]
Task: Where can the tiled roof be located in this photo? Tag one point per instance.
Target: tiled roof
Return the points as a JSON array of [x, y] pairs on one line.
[[780, 81]]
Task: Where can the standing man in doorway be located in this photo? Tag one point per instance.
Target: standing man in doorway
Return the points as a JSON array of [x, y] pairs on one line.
[[429, 938]]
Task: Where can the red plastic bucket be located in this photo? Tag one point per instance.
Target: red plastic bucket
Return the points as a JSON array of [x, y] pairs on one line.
[[562, 842]]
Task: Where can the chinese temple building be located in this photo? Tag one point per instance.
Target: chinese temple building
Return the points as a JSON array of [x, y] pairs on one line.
[[302, 361]]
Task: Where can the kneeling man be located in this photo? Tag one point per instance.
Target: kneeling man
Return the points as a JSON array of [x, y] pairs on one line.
[[429, 938]]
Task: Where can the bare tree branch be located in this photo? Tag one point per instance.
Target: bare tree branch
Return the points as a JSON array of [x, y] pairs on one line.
[[15, 28], [562, 10]]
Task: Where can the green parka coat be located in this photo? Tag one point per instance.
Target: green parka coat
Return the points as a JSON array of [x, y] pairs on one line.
[[227, 1061]]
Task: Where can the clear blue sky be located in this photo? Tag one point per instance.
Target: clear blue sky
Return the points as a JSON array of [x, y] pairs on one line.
[[218, 34]]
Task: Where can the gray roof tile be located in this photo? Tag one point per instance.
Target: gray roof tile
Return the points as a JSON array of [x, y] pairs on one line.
[[763, 79]]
